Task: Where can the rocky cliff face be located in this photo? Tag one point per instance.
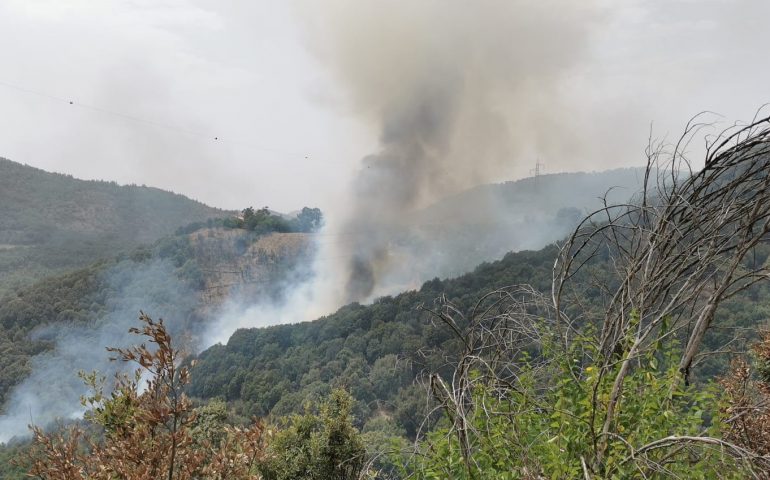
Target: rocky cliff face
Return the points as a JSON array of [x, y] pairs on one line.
[[237, 265]]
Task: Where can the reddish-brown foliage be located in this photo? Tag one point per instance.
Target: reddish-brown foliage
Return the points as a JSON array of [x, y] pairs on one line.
[[147, 433], [747, 396]]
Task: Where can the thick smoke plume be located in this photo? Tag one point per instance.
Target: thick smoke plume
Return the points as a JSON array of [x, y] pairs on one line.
[[459, 91]]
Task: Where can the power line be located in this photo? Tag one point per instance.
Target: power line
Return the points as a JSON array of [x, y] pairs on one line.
[[133, 118]]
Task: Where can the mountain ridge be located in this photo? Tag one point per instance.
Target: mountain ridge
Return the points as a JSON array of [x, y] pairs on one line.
[[52, 223]]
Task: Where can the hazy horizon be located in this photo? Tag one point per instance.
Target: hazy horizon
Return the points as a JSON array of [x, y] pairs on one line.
[[263, 79]]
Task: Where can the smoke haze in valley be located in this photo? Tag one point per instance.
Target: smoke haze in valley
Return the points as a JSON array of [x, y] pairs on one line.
[[53, 390], [373, 111]]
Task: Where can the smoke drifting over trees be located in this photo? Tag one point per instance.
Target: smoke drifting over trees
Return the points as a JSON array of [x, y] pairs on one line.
[[53, 389], [456, 98]]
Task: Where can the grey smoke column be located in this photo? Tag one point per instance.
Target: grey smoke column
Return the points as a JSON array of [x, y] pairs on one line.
[[391, 182], [458, 90]]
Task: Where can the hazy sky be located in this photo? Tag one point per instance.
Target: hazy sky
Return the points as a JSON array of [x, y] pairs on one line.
[[249, 73]]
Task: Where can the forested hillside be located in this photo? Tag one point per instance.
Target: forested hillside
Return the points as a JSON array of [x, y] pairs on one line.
[[223, 259], [376, 351], [376, 374], [373, 350], [619, 353], [185, 278], [52, 223]]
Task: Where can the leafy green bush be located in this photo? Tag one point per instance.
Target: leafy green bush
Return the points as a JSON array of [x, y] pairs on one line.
[[318, 447], [532, 430]]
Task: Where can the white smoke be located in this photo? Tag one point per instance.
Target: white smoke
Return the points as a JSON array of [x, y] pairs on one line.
[[308, 291], [53, 390]]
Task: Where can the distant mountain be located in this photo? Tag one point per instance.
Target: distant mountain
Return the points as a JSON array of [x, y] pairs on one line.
[[484, 223], [537, 195], [52, 223]]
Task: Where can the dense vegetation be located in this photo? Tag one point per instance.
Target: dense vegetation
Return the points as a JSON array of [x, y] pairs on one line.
[[52, 223], [174, 275], [264, 221], [373, 350], [157, 431], [377, 350], [489, 377], [133, 433], [613, 379]]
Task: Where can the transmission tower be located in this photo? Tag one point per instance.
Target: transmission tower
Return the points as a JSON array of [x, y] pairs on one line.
[[537, 171]]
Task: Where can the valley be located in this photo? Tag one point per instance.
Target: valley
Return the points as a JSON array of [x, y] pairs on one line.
[[381, 353], [403, 240]]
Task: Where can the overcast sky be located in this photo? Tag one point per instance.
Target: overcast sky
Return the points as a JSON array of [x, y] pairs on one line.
[[176, 74]]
